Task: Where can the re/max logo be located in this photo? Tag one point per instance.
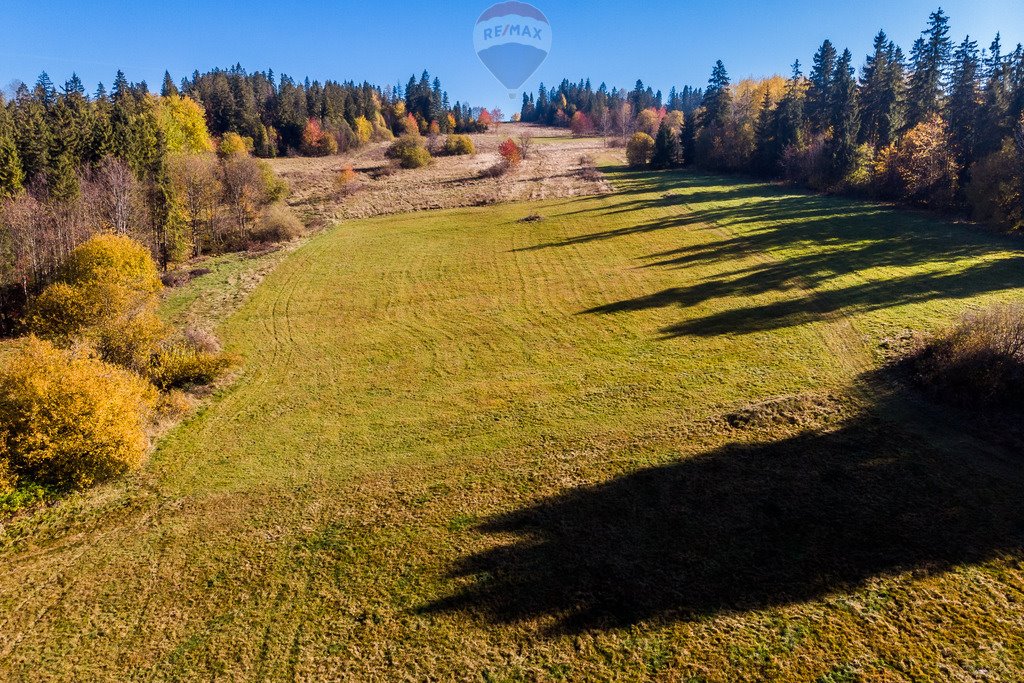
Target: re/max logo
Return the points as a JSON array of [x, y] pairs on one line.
[[523, 31]]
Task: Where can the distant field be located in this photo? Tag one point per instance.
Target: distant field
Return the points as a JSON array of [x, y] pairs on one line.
[[643, 438]]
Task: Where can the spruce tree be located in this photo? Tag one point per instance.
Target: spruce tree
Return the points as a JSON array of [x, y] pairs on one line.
[[789, 115], [930, 61], [168, 87], [962, 110], [12, 178], [717, 98], [765, 149], [845, 117], [995, 121], [31, 134], [882, 93], [819, 91], [668, 151]]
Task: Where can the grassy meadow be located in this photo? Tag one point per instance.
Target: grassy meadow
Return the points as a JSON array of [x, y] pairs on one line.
[[648, 437]]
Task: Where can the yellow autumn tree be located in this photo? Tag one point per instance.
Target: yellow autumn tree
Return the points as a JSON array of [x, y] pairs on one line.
[[183, 123], [363, 130]]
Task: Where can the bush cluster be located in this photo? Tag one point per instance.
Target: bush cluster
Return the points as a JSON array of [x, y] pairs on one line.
[[68, 420], [409, 151], [278, 224], [78, 394], [979, 363], [459, 145]]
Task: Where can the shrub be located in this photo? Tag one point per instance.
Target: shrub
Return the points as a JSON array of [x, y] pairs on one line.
[[980, 363], [70, 421], [639, 150], [995, 190], [182, 365], [106, 295], [345, 177], [114, 259], [458, 145], [278, 224], [511, 153], [233, 144], [409, 152], [105, 282], [128, 340]]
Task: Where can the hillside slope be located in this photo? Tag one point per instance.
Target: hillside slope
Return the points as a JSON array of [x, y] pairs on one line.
[[644, 437]]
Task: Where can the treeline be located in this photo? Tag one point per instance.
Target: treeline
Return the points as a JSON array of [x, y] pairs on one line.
[[282, 116], [942, 127], [609, 112]]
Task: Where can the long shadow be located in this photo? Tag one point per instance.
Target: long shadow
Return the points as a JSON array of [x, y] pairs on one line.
[[817, 241], [746, 527]]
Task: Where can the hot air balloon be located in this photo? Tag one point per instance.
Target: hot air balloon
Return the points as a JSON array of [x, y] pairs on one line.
[[512, 39]]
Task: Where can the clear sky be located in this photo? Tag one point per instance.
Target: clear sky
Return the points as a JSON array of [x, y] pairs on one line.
[[664, 43]]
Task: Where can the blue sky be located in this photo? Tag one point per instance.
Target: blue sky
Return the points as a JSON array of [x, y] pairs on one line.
[[665, 43]]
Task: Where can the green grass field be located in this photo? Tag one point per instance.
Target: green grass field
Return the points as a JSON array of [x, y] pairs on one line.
[[644, 438]]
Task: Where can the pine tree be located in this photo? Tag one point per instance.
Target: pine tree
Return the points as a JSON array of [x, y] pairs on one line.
[[168, 87], [882, 93], [930, 61], [12, 178], [819, 91], [845, 117], [668, 150], [765, 148], [962, 110], [717, 98]]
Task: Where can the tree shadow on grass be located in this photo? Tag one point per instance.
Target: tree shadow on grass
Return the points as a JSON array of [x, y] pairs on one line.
[[745, 527], [805, 245]]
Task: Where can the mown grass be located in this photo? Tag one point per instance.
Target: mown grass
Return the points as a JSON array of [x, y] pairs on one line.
[[644, 438]]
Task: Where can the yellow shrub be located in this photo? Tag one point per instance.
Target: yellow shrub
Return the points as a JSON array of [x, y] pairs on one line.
[[62, 311], [233, 144], [69, 421], [111, 259], [181, 366], [106, 296], [458, 145], [129, 341]]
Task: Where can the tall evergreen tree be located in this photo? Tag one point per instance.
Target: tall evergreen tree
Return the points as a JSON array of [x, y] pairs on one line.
[[963, 108], [765, 146], [789, 115], [819, 90], [12, 178], [881, 94], [168, 88], [668, 150], [929, 62], [995, 121], [845, 116], [717, 98]]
